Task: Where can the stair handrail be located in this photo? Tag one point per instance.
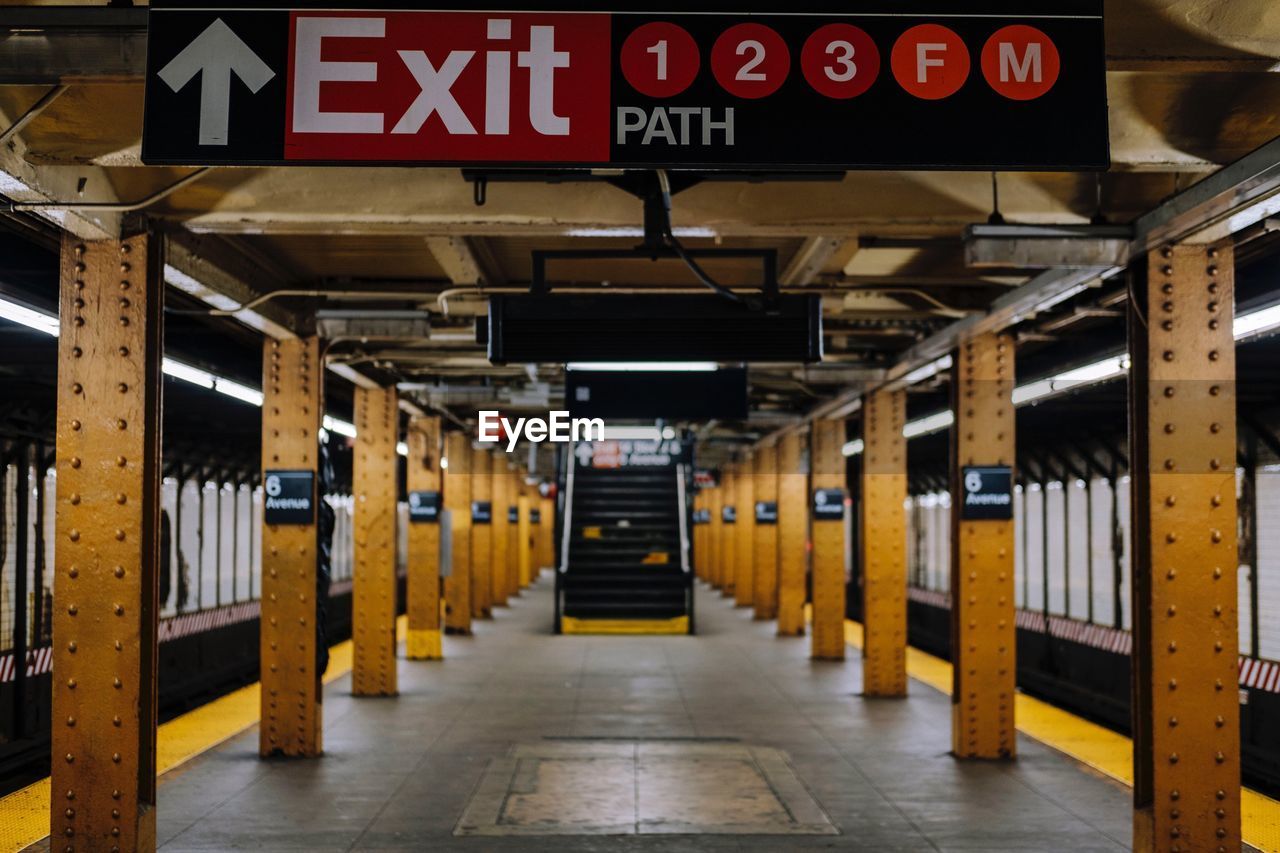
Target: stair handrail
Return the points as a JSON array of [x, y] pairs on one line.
[[684, 531]]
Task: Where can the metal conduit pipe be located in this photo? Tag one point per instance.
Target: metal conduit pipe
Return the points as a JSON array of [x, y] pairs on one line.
[[34, 110]]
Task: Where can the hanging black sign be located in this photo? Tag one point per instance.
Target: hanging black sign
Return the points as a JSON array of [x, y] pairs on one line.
[[728, 514], [481, 512], [513, 515], [702, 516], [828, 504], [766, 512], [289, 497], [986, 493], [768, 86], [424, 507], [535, 516]]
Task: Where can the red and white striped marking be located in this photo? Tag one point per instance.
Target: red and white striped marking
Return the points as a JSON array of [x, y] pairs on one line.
[[1254, 673]]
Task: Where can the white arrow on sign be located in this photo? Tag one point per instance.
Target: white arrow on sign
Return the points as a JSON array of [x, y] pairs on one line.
[[213, 55]]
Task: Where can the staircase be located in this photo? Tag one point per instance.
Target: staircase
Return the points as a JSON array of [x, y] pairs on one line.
[[624, 569]]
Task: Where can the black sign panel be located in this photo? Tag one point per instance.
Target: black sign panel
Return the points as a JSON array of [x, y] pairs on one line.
[[828, 504], [632, 453], [535, 516], [289, 497], [986, 493], [702, 516], [1017, 84], [729, 514], [481, 512], [513, 515], [766, 512], [424, 507], [697, 395]]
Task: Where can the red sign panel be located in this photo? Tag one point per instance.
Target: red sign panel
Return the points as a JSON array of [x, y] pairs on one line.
[[449, 86]]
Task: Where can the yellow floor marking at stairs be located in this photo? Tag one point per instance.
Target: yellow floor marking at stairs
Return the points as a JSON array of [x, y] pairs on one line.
[[1089, 743], [24, 814]]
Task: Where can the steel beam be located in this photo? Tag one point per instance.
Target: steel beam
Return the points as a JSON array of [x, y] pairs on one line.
[[983, 638], [373, 595], [765, 557], [422, 587], [883, 538], [714, 505], [744, 585], [292, 409], [107, 522], [1186, 712], [793, 529], [457, 500], [47, 46], [826, 441], [699, 536]]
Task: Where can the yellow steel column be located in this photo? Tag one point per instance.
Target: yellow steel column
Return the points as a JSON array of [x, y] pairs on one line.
[[765, 558], [457, 500], [546, 556], [729, 533], [526, 531], [826, 441], [744, 584], [373, 593], [481, 536], [715, 501], [983, 639], [699, 536], [884, 544], [793, 529], [512, 509], [107, 521], [422, 587], [291, 700], [498, 512], [1183, 401]]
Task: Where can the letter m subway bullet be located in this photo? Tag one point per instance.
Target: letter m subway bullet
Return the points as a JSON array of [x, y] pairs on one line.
[[448, 86]]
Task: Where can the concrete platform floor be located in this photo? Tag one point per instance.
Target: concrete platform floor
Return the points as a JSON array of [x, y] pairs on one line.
[[400, 773]]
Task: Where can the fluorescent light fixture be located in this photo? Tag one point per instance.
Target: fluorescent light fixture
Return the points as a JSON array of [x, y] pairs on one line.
[[668, 433], [241, 392], [444, 463], [29, 317], [662, 366], [853, 448], [187, 373], [340, 427], [402, 448], [1089, 374], [928, 424], [928, 371], [1256, 322], [632, 231], [632, 433]]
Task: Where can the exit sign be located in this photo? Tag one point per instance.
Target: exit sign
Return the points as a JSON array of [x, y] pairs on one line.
[[776, 86]]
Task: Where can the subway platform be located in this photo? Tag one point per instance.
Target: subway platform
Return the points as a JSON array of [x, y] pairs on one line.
[[731, 740]]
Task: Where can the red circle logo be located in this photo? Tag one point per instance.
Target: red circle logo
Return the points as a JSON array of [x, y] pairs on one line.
[[750, 60], [930, 61], [840, 61], [1020, 62], [660, 59]]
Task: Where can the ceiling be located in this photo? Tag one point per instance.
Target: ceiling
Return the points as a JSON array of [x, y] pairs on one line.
[[1192, 85]]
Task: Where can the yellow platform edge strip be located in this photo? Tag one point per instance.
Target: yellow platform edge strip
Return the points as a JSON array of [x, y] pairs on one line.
[[674, 625], [1095, 746], [24, 814]]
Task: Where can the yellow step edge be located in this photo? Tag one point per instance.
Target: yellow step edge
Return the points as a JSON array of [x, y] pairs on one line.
[[674, 625], [1095, 746], [24, 814]]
